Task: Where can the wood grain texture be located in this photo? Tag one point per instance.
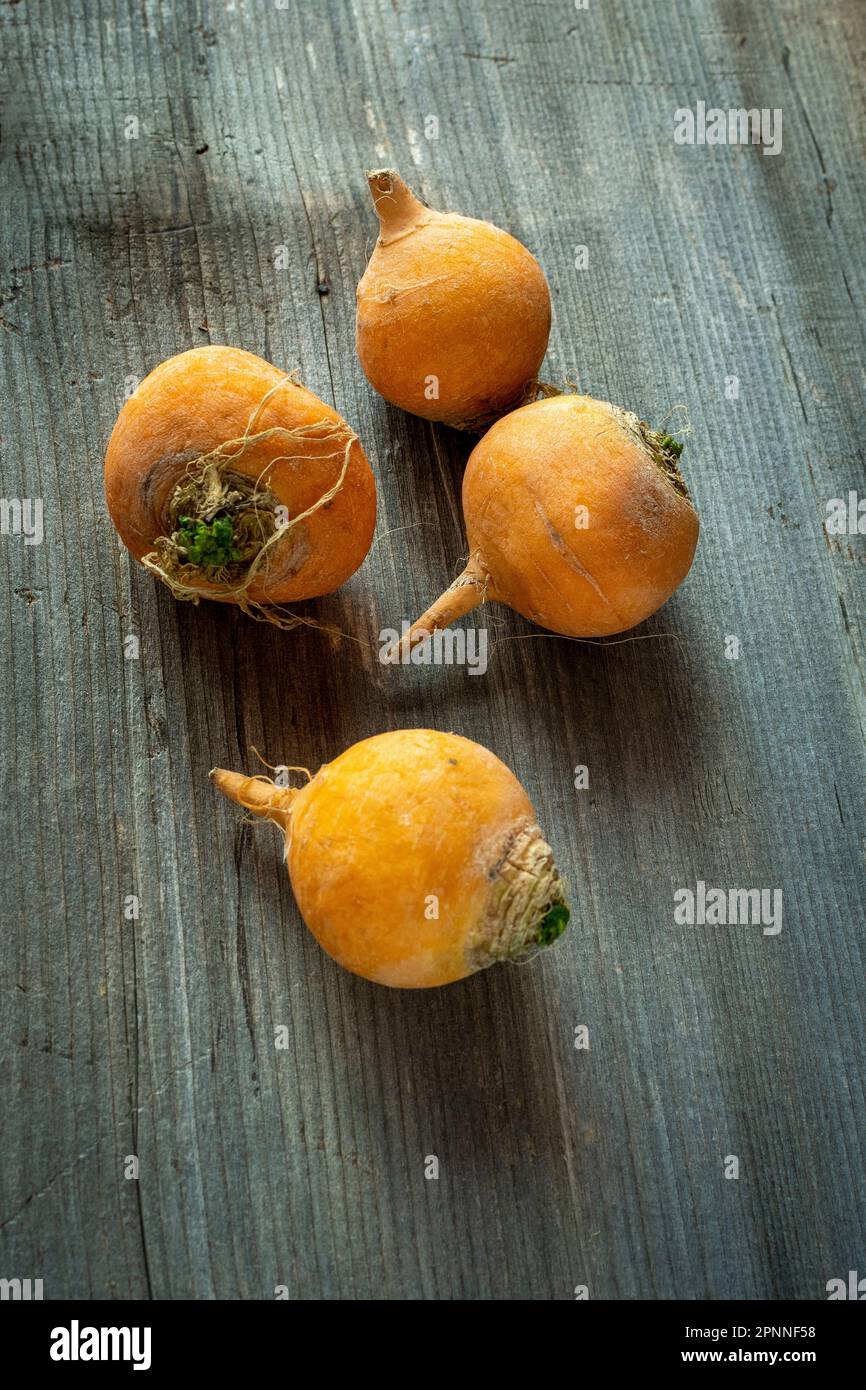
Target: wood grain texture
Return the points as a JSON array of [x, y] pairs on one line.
[[305, 1167]]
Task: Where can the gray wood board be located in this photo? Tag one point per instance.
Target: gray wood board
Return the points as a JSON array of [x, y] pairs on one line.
[[558, 1167]]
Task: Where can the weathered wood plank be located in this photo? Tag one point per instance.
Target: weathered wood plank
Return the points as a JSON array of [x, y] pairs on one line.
[[154, 1037]]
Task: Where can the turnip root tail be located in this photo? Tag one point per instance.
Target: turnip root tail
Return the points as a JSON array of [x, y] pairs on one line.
[[468, 591], [257, 794], [397, 208]]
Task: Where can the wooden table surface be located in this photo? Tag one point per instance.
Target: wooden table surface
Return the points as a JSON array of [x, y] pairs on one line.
[[183, 173]]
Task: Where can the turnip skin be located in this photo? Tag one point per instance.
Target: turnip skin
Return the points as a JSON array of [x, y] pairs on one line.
[[451, 300], [523, 487], [404, 825]]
